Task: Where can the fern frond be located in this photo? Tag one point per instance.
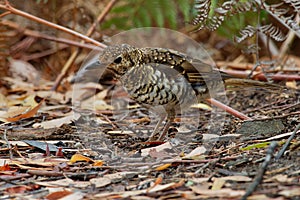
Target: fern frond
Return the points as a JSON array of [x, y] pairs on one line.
[[295, 4], [226, 6], [287, 21], [244, 6], [202, 7], [215, 21], [221, 13], [269, 30], [275, 8], [245, 33], [292, 23], [273, 32], [251, 49]]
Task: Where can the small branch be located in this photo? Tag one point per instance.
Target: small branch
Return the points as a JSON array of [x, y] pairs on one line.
[[8, 144], [34, 56], [45, 36], [287, 143], [290, 37], [261, 171], [228, 109], [101, 17], [15, 11], [262, 77], [75, 53], [5, 13], [269, 44]]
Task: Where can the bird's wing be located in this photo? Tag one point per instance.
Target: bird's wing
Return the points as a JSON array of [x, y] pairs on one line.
[[194, 70]]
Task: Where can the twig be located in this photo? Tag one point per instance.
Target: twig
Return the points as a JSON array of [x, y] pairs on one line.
[[280, 117], [8, 144], [287, 143], [235, 65], [48, 52], [4, 14], [201, 169], [261, 171], [269, 44], [75, 53], [290, 37], [15, 11], [262, 77], [108, 120], [248, 66], [45, 36], [228, 109], [101, 17]]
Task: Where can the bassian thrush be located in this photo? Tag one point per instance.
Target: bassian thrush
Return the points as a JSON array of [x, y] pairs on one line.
[[164, 77]]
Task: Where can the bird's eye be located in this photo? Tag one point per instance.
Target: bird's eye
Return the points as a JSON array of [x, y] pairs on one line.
[[118, 60]]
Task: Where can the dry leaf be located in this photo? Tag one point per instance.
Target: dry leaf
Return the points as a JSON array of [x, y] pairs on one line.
[[57, 195], [98, 163], [18, 189], [291, 84], [163, 167], [198, 151], [218, 184], [199, 180], [159, 187], [3, 101], [201, 106], [23, 70], [58, 183], [225, 192], [74, 196], [291, 192], [79, 157], [52, 96], [161, 154], [58, 122], [280, 178], [146, 151], [27, 114], [100, 182], [237, 178], [5, 167]]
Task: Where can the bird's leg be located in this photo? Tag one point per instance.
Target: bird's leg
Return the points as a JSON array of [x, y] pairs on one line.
[[170, 119], [162, 118], [166, 128]]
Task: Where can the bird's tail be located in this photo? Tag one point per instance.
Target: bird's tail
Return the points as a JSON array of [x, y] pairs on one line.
[[238, 83]]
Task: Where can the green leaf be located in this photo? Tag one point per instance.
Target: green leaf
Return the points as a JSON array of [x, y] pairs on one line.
[[185, 7], [258, 145], [117, 22], [137, 22], [170, 12], [144, 16], [123, 9], [157, 14]]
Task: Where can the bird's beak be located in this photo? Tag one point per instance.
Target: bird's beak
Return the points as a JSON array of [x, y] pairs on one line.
[[94, 64], [91, 72]]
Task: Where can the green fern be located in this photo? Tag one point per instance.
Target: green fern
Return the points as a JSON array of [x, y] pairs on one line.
[[231, 16], [143, 13]]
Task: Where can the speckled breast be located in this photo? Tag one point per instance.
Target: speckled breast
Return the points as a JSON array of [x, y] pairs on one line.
[[155, 84]]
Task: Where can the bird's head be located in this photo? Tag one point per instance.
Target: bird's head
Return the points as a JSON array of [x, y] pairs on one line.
[[119, 58]]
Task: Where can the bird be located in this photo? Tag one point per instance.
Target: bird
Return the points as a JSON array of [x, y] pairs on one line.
[[154, 76]]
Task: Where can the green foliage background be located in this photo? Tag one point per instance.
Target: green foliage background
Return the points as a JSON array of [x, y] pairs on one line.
[[144, 13]]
